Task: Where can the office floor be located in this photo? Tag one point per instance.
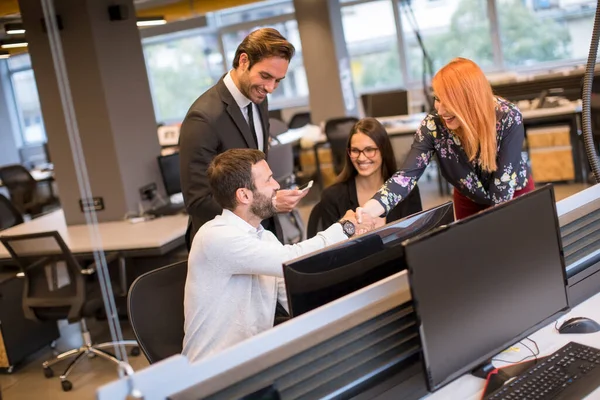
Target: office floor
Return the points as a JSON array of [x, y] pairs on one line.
[[28, 381]]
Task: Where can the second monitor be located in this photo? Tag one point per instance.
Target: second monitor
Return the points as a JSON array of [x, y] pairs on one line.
[[486, 282], [326, 275]]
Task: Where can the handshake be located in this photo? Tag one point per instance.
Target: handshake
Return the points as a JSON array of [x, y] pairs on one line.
[[362, 221]]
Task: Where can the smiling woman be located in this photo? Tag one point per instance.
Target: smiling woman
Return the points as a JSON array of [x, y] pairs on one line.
[[477, 139], [369, 163]]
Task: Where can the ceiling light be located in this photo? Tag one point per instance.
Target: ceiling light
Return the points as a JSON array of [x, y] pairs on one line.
[[13, 44], [151, 21], [14, 28]]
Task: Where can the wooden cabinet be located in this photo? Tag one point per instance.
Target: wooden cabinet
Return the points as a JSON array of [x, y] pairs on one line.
[[551, 153]]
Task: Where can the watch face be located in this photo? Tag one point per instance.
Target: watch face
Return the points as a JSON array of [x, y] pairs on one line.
[[349, 228]]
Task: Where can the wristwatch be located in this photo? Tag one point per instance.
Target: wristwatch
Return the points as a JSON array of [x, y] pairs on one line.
[[348, 227]]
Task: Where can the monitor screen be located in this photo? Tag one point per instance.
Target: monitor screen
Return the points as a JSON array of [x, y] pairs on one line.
[[169, 169], [326, 275], [385, 104], [34, 155], [486, 282]]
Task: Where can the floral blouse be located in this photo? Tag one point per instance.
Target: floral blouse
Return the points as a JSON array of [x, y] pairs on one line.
[[488, 188]]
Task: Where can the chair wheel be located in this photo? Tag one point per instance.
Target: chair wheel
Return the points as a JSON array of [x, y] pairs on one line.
[[48, 372], [66, 385], [135, 351]]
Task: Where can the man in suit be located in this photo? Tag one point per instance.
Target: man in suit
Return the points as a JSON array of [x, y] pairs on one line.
[[234, 114]]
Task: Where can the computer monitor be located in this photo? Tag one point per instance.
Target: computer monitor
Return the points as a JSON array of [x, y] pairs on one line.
[[385, 104], [169, 169], [33, 156], [486, 282], [326, 275]]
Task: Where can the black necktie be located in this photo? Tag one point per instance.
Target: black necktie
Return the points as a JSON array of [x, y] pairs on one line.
[[251, 123]]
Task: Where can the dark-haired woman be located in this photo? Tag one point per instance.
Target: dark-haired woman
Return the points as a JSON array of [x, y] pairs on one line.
[[369, 163]]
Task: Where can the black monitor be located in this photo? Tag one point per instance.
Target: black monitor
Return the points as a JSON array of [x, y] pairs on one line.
[[33, 156], [326, 275], [486, 282], [385, 104], [169, 169]]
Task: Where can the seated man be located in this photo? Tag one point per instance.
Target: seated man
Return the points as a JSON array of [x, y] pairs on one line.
[[235, 274]]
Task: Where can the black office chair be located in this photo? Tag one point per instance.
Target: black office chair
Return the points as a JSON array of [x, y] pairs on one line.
[[299, 120], [55, 288], [9, 215], [23, 190], [281, 162], [337, 131], [277, 127], [155, 308], [315, 221]]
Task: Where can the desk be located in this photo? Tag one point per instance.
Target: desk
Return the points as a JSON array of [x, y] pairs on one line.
[[19, 337], [151, 238], [569, 114], [548, 339]]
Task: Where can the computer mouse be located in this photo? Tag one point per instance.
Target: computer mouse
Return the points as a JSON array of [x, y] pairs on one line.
[[579, 325]]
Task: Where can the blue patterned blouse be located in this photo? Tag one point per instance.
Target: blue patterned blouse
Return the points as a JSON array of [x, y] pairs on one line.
[[467, 177]]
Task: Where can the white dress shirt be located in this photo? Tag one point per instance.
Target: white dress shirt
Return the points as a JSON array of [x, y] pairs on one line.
[[234, 280], [242, 102]]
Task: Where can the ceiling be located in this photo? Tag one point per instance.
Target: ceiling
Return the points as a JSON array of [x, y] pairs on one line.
[[171, 10]]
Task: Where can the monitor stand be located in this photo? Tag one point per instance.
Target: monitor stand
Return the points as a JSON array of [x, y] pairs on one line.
[[501, 374]]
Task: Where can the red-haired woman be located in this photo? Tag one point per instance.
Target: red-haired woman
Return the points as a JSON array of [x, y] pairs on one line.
[[478, 139]]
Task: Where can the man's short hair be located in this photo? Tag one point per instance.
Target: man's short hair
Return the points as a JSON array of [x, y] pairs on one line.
[[264, 43], [230, 171]]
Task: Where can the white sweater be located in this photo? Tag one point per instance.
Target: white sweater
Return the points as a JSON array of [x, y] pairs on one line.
[[234, 280]]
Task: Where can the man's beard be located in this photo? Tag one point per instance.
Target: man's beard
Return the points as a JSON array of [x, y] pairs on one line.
[[262, 206], [246, 89]]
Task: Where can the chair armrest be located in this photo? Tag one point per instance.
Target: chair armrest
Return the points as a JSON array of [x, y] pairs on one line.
[[93, 267]]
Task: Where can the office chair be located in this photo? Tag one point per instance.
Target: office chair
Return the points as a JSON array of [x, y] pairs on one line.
[[9, 215], [23, 190], [155, 308], [281, 162], [277, 127], [315, 221], [337, 131], [299, 120], [55, 288]]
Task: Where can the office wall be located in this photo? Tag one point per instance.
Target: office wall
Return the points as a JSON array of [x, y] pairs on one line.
[[112, 104]]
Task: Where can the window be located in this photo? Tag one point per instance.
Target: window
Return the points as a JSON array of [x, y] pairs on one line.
[[255, 12], [449, 29], [26, 99], [545, 30], [294, 86], [371, 38], [181, 68]]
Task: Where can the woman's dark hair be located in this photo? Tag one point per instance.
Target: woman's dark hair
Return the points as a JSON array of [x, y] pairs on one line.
[[373, 129]]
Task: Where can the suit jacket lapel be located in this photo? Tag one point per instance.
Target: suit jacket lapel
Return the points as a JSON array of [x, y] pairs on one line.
[[236, 114]]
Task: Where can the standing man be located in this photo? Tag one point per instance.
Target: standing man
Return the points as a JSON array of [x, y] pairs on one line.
[[234, 114]]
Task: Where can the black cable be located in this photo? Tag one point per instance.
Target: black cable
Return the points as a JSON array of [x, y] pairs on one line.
[[586, 94], [533, 354]]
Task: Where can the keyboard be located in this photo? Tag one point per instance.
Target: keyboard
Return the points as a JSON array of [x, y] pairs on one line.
[[572, 372], [167, 209]]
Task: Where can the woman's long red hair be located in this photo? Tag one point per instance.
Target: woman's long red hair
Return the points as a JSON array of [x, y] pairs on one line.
[[466, 93]]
